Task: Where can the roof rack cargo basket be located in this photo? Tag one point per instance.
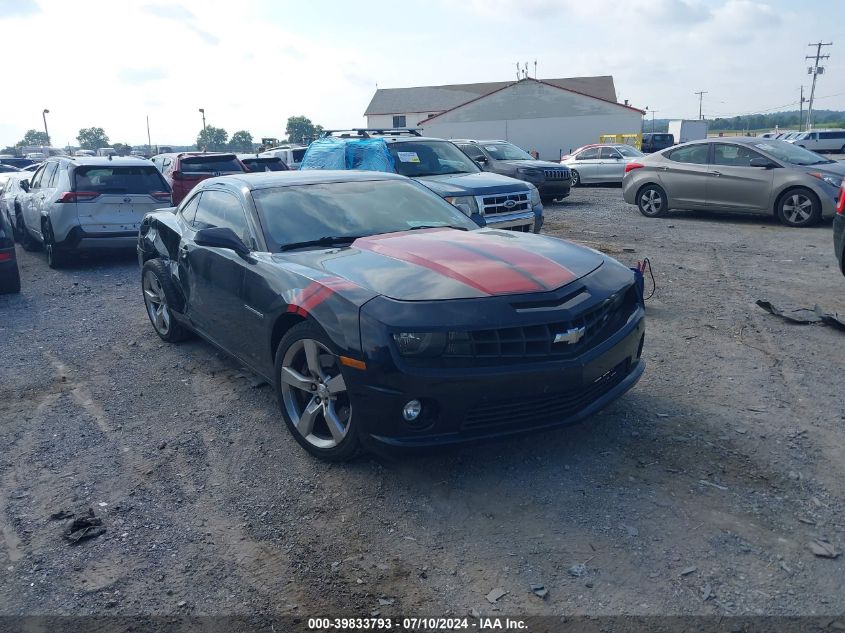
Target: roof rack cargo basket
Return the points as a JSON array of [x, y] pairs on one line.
[[367, 132]]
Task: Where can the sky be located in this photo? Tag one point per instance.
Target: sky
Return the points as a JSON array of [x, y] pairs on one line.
[[253, 63]]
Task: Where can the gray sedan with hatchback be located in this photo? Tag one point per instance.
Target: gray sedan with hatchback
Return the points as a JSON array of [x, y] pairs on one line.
[[741, 174]]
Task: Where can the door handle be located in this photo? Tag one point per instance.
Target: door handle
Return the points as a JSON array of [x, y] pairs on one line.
[[716, 173]]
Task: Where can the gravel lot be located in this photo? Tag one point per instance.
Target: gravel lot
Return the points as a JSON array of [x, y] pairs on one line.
[[697, 493]]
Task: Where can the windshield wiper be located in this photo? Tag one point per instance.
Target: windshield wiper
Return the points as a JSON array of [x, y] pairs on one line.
[[437, 226], [327, 240]]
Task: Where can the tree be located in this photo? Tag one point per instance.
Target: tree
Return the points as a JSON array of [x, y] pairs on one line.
[[241, 141], [34, 137], [92, 138], [301, 130], [212, 139], [122, 149]]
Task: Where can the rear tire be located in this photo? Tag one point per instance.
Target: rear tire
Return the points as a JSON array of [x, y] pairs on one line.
[[12, 283], [652, 201], [160, 294], [56, 257], [799, 208]]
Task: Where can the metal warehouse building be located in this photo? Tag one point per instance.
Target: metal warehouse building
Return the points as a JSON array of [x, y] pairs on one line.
[[548, 115]]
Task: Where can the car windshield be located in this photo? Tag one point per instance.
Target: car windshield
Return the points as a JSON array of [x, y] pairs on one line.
[[790, 153], [123, 179], [265, 164], [506, 151], [430, 158], [802, 137], [629, 152], [303, 213], [210, 164]]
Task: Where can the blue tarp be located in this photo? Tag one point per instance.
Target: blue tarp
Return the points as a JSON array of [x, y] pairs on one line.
[[340, 153]]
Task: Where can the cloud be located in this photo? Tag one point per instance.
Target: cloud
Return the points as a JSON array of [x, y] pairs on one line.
[[141, 75], [182, 16], [18, 8]]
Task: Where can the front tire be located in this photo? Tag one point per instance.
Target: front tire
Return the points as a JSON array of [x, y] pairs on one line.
[[652, 201], [312, 394], [799, 208], [576, 178], [160, 294]]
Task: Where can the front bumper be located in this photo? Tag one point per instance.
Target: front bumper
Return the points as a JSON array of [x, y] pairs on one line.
[[839, 240], [527, 221], [464, 405]]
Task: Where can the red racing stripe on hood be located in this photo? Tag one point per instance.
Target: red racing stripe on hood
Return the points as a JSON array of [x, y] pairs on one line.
[[546, 271], [472, 262]]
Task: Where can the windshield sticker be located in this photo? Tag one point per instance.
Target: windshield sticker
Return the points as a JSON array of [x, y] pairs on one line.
[[408, 157]]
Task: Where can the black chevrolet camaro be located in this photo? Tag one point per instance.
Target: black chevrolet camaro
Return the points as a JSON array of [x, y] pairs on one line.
[[383, 316]]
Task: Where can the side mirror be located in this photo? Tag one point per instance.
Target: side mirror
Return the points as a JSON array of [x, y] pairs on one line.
[[24, 184], [762, 162], [481, 160], [221, 237]]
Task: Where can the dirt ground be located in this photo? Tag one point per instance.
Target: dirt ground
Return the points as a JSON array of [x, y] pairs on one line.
[[696, 493]]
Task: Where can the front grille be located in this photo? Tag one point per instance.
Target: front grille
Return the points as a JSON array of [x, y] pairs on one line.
[[504, 203], [537, 342], [536, 410], [557, 174]]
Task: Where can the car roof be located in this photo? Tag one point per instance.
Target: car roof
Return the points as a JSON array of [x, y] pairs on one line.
[[478, 141], [273, 179], [256, 157], [189, 154], [101, 161]]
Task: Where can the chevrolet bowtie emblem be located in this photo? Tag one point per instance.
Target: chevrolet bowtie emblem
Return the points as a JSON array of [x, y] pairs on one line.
[[571, 336]]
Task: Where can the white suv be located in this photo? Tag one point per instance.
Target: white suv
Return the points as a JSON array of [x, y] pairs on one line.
[[76, 203], [821, 140]]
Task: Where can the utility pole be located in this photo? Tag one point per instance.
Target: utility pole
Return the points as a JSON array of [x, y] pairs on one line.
[[46, 132], [700, 101], [652, 119], [815, 70], [801, 112], [149, 140]]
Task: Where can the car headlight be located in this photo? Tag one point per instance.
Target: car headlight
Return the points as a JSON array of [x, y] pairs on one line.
[[420, 344], [535, 195], [466, 204], [828, 179]]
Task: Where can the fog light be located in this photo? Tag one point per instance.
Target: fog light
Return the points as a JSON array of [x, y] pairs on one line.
[[412, 410]]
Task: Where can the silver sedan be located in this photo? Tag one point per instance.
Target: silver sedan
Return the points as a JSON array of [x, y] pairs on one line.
[[600, 163], [744, 175]]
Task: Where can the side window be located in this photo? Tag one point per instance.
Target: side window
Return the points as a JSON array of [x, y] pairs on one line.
[[733, 155], [588, 154], [399, 120], [694, 154], [609, 152], [190, 210], [221, 209], [472, 151], [47, 176], [54, 177], [35, 183]]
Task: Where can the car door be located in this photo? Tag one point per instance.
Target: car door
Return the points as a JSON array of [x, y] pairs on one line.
[[31, 201], [733, 184], [611, 165], [683, 173], [215, 275], [587, 164]]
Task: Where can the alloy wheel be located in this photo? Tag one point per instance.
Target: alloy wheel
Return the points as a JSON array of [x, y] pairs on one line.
[[651, 202], [797, 208], [314, 393], [156, 302], [576, 177]]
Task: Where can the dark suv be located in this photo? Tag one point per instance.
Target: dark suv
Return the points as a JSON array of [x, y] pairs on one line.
[[184, 170], [489, 199], [654, 142], [501, 157]]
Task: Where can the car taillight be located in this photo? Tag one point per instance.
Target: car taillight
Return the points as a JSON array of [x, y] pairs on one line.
[[5, 257], [633, 166], [78, 196], [840, 207], [161, 195]]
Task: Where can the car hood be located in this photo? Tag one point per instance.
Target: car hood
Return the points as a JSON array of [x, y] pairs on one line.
[[436, 264], [477, 184]]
